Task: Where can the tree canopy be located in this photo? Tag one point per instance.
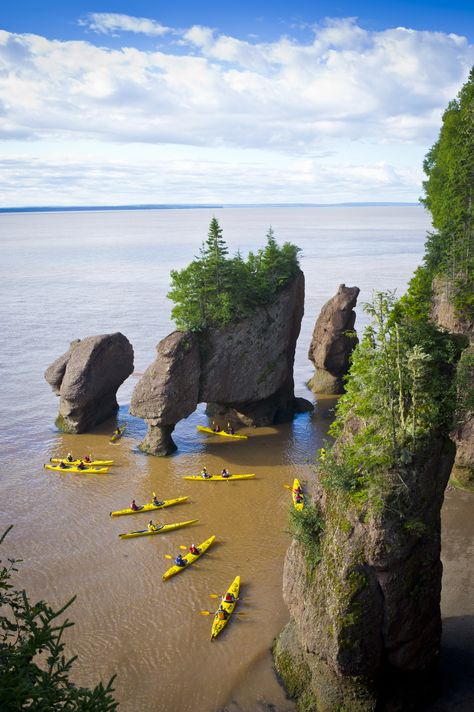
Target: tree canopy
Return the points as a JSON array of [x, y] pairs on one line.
[[449, 196], [216, 290], [399, 392]]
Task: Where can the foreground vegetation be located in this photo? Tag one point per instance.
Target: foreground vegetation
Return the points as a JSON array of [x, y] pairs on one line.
[[34, 673], [449, 196], [216, 290]]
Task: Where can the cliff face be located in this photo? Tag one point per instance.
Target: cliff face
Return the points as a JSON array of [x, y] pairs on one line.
[[86, 379], [243, 371], [331, 347], [370, 609], [462, 434]]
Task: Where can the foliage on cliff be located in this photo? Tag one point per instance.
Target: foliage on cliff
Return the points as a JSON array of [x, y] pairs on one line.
[[33, 670], [400, 390], [215, 290], [449, 196]]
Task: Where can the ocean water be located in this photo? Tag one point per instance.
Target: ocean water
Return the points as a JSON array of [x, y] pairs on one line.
[[69, 275]]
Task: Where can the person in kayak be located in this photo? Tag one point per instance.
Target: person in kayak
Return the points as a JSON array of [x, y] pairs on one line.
[[134, 506], [69, 457], [179, 561], [225, 473], [222, 614], [205, 473], [215, 426], [81, 466], [229, 597], [155, 501], [87, 458], [154, 527], [230, 429], [63, 465], [117, 431], [299, 497], [194, 550]]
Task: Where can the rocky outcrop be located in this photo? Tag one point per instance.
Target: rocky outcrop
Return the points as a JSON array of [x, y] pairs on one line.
[[168, 391], [244, 372], [444, 314], [331, 346], [367, 618], [462, 433], [86, 379]]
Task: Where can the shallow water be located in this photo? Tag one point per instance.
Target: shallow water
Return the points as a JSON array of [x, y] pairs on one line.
[[70, 275]]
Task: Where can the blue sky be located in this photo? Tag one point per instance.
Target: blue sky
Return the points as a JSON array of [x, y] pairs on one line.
[[160, 102]]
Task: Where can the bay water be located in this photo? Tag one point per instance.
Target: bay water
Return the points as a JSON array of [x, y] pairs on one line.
[[70, 275]]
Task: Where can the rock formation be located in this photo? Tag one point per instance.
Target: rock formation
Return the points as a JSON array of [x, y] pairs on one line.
[[443, 313], [86, 379], [367, 618], [168, 390], [243, 371], [331, 347]]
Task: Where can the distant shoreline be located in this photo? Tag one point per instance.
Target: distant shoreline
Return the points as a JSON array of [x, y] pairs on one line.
[[185, 206]]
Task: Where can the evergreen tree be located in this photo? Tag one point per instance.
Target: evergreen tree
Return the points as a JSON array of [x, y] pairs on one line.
[[215, 290], [449, 196]]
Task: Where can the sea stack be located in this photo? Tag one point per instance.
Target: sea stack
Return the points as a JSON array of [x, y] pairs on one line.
[[86, 379], [331, 346], [244, 372]]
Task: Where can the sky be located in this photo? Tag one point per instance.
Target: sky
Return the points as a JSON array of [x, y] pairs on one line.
[[113, 103]]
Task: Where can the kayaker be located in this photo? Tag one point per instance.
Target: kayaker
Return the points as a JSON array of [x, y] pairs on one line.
[[194, 550], [229, 597], [117, 431], [222, 614], [225, 473], [69, 457], [299, 497], [81, 466], [154, 527], [230, 429], [87, 458], [216, 427], [63, 465], [179, 561], [155, 501], [205, 473], [134, 506]]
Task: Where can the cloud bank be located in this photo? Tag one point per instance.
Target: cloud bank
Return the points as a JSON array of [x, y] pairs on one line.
[[346, 87]]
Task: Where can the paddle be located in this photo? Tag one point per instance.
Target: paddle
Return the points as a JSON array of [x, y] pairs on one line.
[[211, 613]]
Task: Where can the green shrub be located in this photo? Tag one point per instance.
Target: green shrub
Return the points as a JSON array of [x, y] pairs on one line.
[[307, 527], [215, 290]]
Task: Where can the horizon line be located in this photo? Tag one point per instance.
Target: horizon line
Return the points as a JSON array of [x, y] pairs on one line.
[[190, 206]]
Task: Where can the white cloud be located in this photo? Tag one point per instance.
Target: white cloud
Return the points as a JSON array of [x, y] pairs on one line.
[[344, 89], [111, 23]]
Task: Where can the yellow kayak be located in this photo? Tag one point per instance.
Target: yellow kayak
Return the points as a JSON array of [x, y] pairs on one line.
[[203, 429], [189, 559], [149, 507], [117, 436], [89, 463], [228, 606], [217, 478], [77, 470], [160, 530], [297, 505]]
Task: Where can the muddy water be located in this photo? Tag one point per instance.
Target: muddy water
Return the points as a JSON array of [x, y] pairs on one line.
[[68, 276]]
